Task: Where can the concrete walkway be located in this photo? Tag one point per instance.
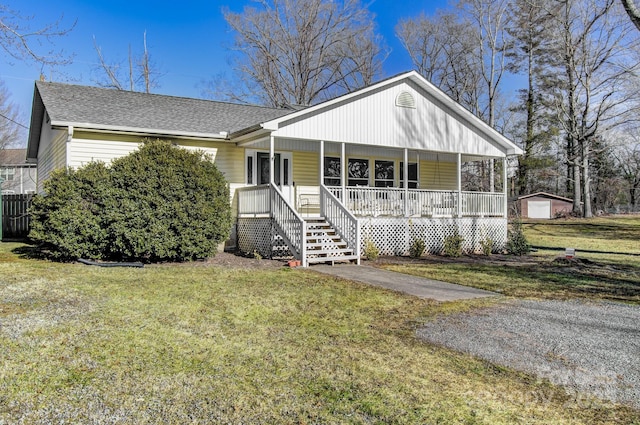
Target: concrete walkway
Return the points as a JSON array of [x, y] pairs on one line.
[[413, 285]]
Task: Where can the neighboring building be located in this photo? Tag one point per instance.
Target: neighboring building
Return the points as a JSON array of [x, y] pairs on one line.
[[381, 164], [17, 174], [544, 205]]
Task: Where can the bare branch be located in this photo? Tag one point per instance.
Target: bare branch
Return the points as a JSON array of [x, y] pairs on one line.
[[17, 39], [304, 51]]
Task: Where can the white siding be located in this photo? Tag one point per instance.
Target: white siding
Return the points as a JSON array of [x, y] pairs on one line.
[[51, 152], [374, 119], [83, 151], [86, 148]]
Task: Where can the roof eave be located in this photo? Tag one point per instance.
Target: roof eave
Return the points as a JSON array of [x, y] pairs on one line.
[[35, 126], [139, 131]]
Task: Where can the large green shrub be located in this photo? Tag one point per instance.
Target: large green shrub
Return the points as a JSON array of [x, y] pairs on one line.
[[160, 203], [68, 222]]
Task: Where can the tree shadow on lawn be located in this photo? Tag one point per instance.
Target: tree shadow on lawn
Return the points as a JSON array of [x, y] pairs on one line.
[[530, 276]]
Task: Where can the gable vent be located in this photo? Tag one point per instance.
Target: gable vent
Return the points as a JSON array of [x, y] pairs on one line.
[[405, 100]]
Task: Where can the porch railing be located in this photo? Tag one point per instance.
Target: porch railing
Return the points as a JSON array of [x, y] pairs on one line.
[[254, 200], [267, 201], [483, 204], [372, 201], [290, 224], [342, 220]]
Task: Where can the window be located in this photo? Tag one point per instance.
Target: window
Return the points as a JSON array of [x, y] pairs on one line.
[[413, 175], [358, 172], [285, 171], [250, 169], [331, 171], [384, 173], [7, 173]]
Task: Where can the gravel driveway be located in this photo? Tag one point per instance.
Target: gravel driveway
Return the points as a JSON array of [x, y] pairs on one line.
[[588, 347]]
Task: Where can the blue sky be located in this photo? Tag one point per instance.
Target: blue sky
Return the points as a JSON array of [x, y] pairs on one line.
[[188, 41]]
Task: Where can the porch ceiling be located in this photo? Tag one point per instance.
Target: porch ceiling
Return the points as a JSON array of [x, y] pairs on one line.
[[333, 149]]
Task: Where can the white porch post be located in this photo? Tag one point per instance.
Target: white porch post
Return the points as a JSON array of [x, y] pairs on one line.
[[418, 169], [321, 176], [405, 177], [321, 162], [343, 173], [272, 160], [505, 162], [459, 184]]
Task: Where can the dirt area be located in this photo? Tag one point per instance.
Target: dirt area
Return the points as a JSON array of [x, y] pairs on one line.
[[238, 261]]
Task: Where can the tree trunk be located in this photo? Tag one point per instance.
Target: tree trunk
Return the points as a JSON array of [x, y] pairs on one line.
[[586, 177]]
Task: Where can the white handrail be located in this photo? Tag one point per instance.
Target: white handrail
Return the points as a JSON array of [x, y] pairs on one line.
[[291, 225], [342, 220]]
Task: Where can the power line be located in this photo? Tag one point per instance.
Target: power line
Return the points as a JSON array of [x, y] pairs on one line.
[[13, 121]]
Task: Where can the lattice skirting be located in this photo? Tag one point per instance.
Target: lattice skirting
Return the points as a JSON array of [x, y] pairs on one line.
[[258, 235], [393, 236]]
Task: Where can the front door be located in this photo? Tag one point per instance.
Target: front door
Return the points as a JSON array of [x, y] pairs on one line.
[[282, 172]]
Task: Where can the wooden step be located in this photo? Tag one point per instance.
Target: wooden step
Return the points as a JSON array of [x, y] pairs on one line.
[[330, 251], [332, 260], [338, 243], [334, 238]]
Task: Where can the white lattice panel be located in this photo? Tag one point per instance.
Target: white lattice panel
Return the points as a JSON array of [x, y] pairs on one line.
[[259, 235], [393, 236]]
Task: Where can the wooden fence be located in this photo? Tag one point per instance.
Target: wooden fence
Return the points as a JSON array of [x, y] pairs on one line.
[[15, 216]]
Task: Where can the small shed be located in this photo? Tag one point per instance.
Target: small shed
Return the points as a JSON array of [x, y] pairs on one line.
[[544, 205]]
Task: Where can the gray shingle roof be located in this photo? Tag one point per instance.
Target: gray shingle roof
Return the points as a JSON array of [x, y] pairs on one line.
[[13, 156], [110, 109]]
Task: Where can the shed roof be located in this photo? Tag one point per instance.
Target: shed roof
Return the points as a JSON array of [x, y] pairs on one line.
[[545, 195]]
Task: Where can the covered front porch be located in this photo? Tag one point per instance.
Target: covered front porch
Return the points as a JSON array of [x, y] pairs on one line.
[[360, 198], [382, 165]]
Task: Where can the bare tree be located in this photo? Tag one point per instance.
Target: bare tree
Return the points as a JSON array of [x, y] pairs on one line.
[[141, 74], [299, 52], [628, 161], [594, 51], [489, 20], [10, 127], [23, 43], [441, 49]]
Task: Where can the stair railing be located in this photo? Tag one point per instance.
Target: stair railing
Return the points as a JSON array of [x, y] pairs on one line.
[[290, 224], [342, 220]]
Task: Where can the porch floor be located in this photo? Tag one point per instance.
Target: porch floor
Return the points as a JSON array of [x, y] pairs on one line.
[[412, 285]]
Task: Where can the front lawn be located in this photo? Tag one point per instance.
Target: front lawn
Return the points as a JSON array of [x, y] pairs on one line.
[[197, 343], [607, 265]]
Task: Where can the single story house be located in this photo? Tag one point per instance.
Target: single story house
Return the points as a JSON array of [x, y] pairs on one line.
[[18, 176], [379, 165], [544, 205]]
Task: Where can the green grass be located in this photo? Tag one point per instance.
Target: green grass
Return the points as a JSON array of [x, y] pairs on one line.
[[196, 344], [611, 273], [615, 235]]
